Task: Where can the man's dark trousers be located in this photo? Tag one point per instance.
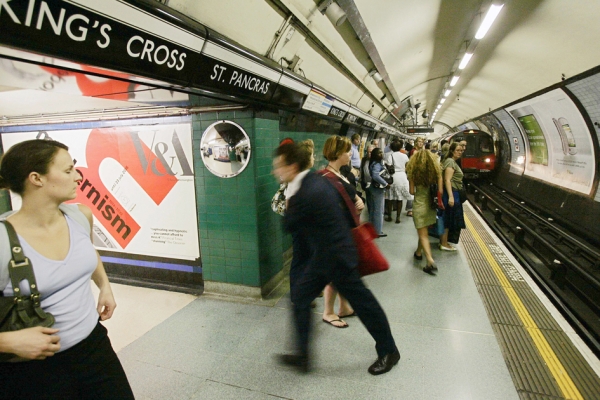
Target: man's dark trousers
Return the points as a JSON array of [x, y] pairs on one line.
[[365, 305]]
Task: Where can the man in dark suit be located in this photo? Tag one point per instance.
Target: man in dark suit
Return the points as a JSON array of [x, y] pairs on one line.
[[318, 214]]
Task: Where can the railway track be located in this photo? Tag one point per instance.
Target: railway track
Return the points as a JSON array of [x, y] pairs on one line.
[[565, 266]]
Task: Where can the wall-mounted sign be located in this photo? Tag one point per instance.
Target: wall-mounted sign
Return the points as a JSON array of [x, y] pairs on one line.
[[367, 123], [318, 102], [558, 145], [225, 149], [337, 113], [351, 119], [139, 183], [419, 130]]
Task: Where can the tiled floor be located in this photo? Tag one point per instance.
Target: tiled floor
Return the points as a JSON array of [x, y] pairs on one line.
[[211, 348]]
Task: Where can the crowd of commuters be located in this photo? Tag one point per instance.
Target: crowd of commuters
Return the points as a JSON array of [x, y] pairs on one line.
[[427, 180]]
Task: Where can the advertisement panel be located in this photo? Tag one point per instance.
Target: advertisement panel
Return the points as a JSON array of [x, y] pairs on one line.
[[18, 74], [559, 145], [139, 183], [515, 141]]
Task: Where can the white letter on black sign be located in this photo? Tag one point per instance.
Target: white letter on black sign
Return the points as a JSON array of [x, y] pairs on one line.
[[159, 48], [129, 46], [83, 30], [148, 47], [103, 29], [181, 57], [44, 10], [29, 15], [4, 3]]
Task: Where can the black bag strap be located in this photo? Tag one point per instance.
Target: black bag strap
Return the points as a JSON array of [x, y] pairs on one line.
[[19, 267]]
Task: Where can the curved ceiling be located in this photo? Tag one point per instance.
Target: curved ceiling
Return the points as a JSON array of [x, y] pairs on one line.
[[415, 44], [420, 43]]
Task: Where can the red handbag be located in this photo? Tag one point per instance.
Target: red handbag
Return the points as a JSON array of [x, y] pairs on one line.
[[370, 258]]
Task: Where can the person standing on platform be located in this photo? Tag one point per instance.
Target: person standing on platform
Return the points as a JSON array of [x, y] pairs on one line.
[[378, 185], [318, 213], [454, 219], [365, 177], [337, 151], [399, 189], [74, 359], [355, 155]]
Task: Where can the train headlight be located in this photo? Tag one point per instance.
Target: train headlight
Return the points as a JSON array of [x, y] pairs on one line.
[[487, 160]]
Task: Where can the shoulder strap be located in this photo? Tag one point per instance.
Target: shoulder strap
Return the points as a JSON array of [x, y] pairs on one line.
[[340, 188], [19, 266]]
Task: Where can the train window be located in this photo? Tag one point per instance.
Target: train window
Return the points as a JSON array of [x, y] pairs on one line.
[[485, 144]]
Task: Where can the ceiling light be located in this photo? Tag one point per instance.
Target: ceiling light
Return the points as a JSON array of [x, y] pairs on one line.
[[375, 75], [488, 20], [394, 105], [465, 60], [442, 101], [447, 92], [454, 80]]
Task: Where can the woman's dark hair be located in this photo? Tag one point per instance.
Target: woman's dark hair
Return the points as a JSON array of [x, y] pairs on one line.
[[24, 158], [450, 151], [376, 155]]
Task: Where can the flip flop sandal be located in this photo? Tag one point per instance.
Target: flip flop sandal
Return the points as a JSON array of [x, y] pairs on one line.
[[349, 315], [335, 320]]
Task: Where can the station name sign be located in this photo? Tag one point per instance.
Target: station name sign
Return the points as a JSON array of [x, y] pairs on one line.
[[99, 33]]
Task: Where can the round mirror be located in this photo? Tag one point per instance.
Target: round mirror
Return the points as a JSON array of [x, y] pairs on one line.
[[225, 149]]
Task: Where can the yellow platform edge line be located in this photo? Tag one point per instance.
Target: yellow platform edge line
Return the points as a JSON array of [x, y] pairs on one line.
[[564, 381]]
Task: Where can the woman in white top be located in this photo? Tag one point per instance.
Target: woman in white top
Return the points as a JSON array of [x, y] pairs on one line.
[[399, 189], [74, 359]]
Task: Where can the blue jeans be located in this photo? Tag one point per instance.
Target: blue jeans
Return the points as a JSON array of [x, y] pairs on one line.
[[376, 212]]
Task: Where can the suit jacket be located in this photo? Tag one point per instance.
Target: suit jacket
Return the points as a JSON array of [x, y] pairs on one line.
[[319, 216]]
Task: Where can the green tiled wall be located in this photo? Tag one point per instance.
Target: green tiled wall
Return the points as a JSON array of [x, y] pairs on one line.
[[242, 241]]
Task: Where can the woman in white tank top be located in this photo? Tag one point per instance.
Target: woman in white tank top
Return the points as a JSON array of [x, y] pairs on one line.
[[74, 358]]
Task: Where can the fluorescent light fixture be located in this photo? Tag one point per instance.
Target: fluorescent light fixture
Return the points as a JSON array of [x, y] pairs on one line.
[[447, 92], [454, 80], [465, 60], [488, 20], [394, 105], [442, 101]]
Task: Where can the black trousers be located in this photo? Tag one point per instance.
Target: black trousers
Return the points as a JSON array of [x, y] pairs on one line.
[[88, 370], [348, 283]]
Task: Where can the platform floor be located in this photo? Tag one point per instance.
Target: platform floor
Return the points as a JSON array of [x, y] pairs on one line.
[[176, 346]]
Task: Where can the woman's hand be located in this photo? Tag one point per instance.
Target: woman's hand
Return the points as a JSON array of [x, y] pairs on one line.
[[32, 343], [106, 303], [451, 200], [358, 203]]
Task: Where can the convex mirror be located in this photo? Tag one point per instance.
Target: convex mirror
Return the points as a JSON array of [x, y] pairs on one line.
[[225, 149]]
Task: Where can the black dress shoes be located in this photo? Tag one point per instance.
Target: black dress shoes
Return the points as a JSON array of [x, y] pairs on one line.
[[297, 361], [385, 364]]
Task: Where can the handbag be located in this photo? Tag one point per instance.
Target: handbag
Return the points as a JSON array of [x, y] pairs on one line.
[[278, 201], [436, 230], [462, 193], [21, 311], [386, 176], [370, 258]]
